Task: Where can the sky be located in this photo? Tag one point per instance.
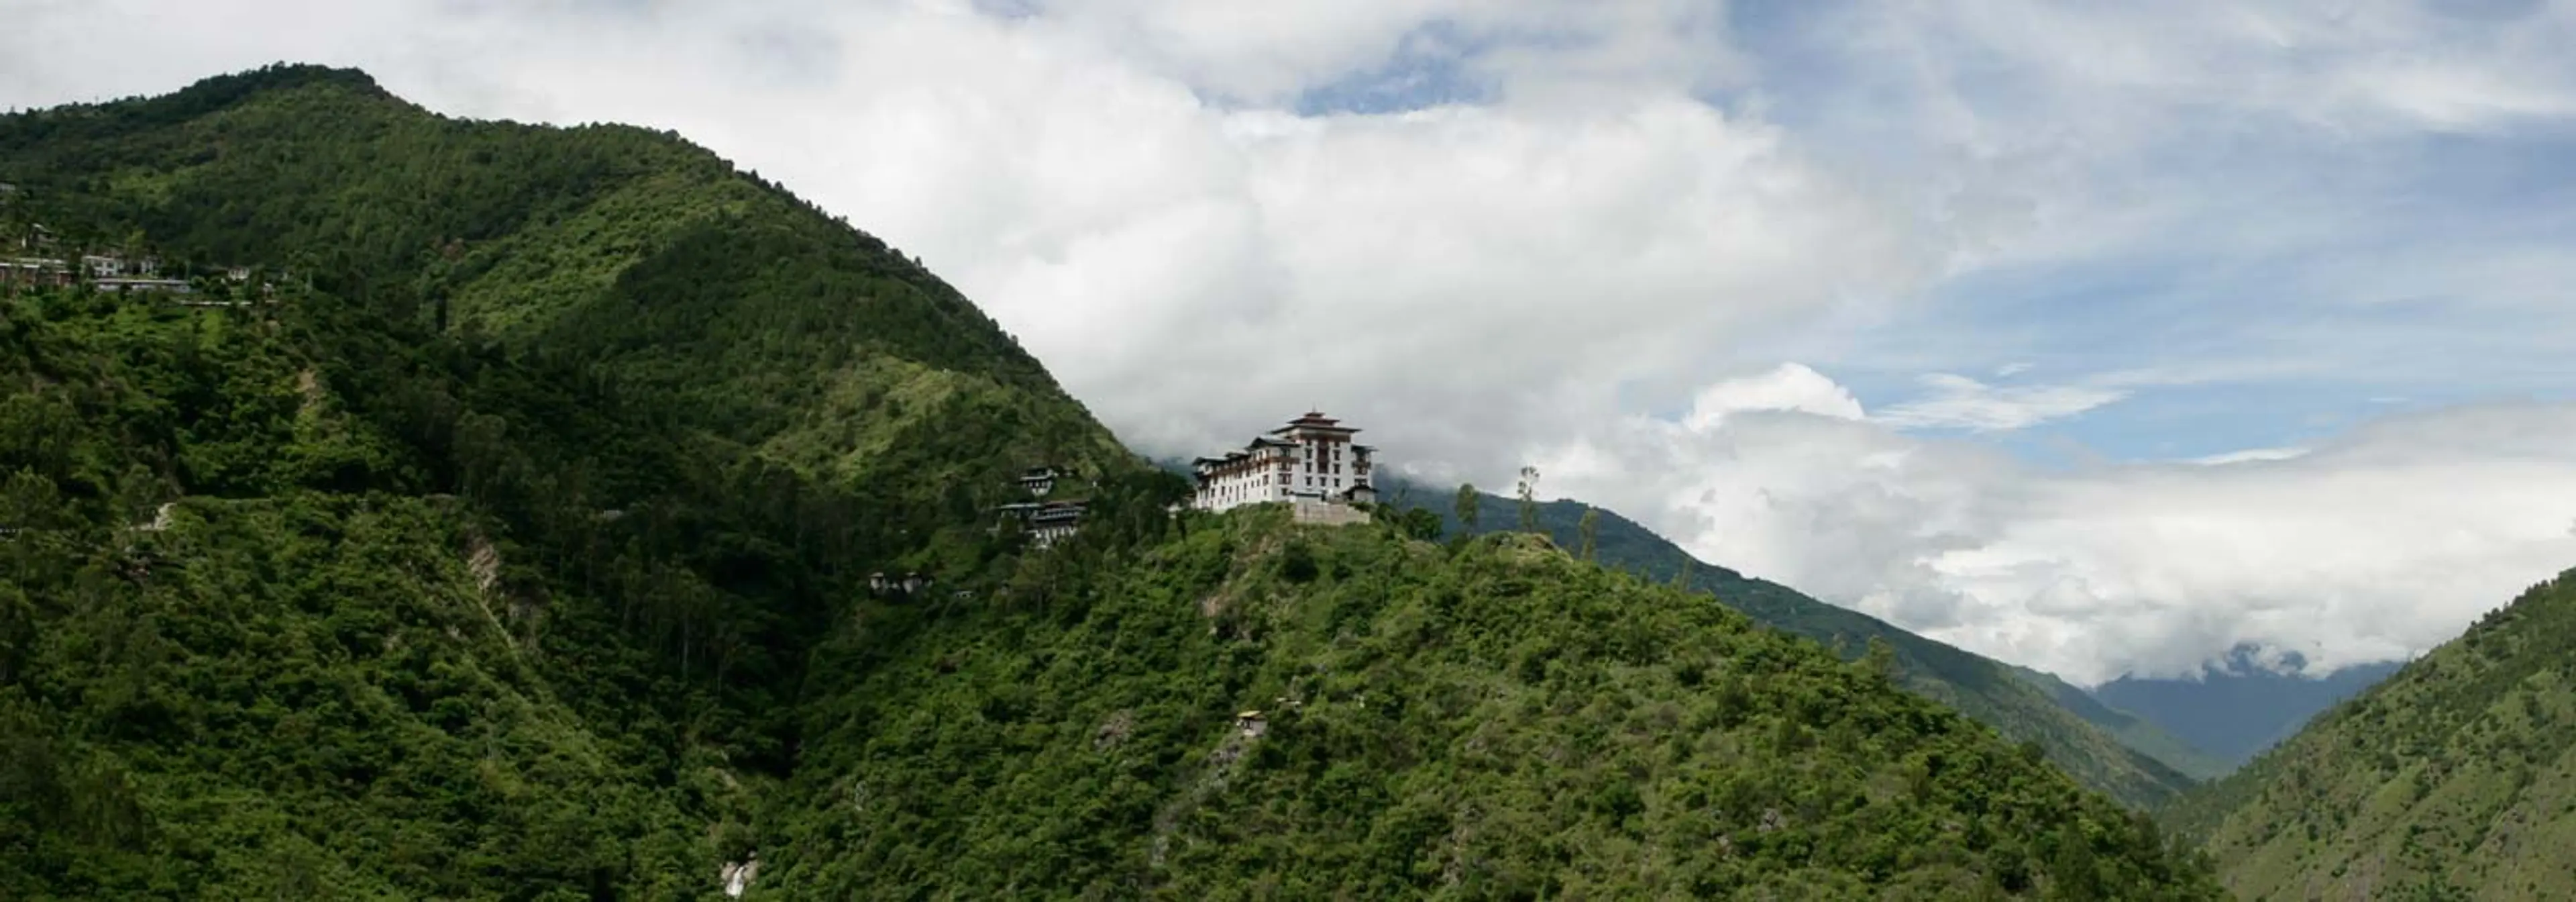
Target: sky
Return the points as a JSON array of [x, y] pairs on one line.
[[2100, 338]]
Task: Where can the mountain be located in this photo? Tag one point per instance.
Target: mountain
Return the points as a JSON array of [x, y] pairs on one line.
[[2107, 750], [2240, 708], [2140, 733], [500, 515], [481, 554], [2454, 778], [735, 310], [1250, 707]]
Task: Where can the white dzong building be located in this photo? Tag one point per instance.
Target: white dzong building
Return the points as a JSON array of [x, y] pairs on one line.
[[1312, 458]]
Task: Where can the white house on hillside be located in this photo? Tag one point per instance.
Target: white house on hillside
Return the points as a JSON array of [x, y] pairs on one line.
[[1311, 458]]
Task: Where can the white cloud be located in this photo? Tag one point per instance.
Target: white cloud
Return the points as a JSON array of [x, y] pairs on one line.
[[1788, 387], [2368, 67], [1959, 402], [2249, 455], [2373, 545], [1266, 54], [2456, 98]]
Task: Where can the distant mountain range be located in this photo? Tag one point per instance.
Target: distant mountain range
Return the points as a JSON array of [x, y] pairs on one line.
[[2236, 711]]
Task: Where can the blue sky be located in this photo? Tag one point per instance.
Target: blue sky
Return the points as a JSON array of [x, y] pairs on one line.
[[2319, 275], [2101, 338]]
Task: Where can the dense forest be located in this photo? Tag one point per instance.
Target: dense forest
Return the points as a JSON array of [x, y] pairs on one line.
[[2110, 750], [2455, 778], [512, 535], [1251, 708], [422, 572]]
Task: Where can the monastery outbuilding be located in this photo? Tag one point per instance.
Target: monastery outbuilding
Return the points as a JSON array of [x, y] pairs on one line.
[[1045, 522]]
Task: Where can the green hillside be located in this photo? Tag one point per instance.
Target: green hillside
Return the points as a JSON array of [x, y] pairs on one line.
[[647, 266], [1498, 721], [2107, 749], [2455, 778], [518, 608], [506, 532]]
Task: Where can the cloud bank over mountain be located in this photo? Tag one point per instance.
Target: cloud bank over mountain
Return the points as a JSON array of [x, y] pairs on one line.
[[2361, 549]]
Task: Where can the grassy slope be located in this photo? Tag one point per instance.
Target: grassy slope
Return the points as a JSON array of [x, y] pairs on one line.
[[2107, 749], [1498, 721], [2456, 778]]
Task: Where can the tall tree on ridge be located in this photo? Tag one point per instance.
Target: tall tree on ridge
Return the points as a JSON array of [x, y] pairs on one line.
[[1528, 490], [1466, 509]]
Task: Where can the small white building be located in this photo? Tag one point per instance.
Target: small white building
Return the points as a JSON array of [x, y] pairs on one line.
[[1055, 521], [34, 271], [1045, 522], [1312, 458], [1040, 480], [172, 286]]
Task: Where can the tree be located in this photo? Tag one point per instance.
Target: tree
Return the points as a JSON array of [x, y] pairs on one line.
[[1528, 491], [1419, 523], [1880, 659], [1590, 528], [1466, 509]]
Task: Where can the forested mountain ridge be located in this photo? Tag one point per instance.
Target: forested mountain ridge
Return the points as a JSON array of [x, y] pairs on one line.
[[647, 263], [2454, 778], [438, 572], [441, 573], [2106, 749], [1250, 708]]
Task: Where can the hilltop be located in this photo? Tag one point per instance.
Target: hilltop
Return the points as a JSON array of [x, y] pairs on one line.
[[2109, 750], [520, 544], [2455, 778]]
